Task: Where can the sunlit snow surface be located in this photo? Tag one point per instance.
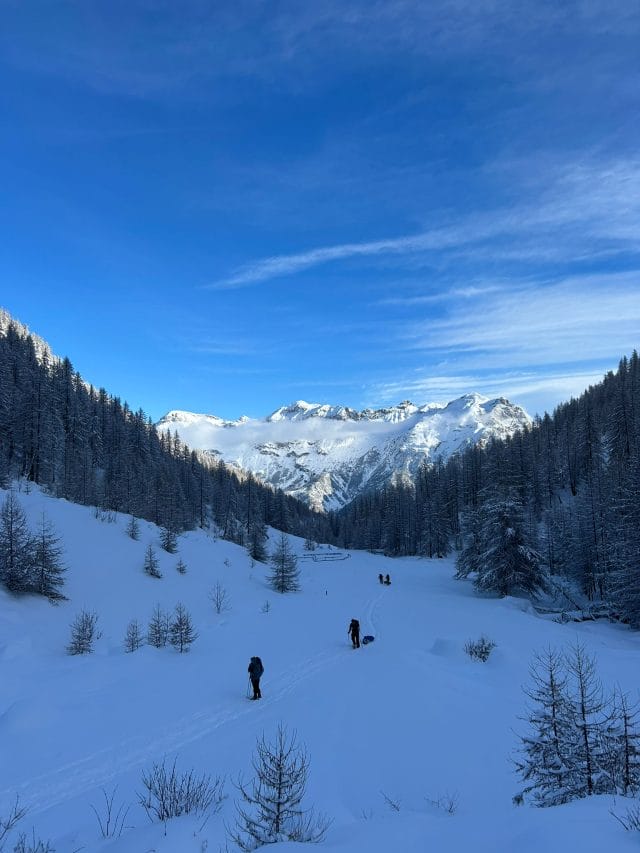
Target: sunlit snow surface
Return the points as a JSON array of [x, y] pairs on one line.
[[410, 715]]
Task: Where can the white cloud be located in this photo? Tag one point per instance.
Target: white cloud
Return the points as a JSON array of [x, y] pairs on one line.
[[583, 210]]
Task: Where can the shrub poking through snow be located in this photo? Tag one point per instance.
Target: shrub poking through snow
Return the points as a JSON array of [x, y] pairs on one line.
[[83, 633], [181, 567], [168, 793], [220, 598], [33, 845], [479, 649]]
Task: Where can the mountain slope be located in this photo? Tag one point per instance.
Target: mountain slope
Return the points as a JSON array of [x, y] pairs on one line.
[[328, 455]]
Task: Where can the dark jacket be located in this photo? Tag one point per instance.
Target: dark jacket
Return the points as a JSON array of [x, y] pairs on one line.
[[255, 669], [354, 627]]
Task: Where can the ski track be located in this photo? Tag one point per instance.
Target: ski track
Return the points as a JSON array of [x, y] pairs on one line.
[[43, 792]]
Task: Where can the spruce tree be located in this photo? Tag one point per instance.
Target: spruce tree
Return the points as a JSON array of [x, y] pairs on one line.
[[590, 766], [270, 809], [545, 750], [48, 569], [169, 539], [151, 565], [83, 633], [16, 547], [182, 633], [507, 562], [159, 628], [133, 527], [133, 636], [285, 575]]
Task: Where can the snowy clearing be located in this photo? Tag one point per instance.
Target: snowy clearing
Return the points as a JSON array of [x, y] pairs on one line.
[[409, 718]]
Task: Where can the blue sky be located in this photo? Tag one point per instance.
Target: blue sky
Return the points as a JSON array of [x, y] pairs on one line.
[[223, 207]]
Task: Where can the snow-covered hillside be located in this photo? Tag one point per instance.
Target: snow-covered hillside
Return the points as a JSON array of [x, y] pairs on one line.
[[409, 717], [327, 455]]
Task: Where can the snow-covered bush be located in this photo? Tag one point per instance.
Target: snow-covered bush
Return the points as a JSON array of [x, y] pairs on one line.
[[168, 793], [479, 649]]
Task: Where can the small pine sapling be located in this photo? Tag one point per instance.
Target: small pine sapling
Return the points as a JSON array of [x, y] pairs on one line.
[[151, 564], [182, 633], [133, 636], [83, 633], [159, 628], [181, 567], [133, 528]]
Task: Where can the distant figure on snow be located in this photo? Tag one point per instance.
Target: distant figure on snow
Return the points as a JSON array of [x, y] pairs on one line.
[[387, 580], [354, 633], [255, 674], [380, 578]]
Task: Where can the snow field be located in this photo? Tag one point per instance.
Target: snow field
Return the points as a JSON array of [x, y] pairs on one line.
[[410, 716]]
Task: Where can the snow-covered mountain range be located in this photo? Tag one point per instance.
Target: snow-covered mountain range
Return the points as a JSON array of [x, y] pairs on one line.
[[327, 455]]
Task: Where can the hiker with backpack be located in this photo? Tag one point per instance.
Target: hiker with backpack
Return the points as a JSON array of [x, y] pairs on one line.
[[255, 674], [354, 632], [380, 578], [387, 580]]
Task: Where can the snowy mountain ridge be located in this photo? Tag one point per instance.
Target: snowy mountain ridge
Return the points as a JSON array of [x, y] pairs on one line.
[[327, 455]]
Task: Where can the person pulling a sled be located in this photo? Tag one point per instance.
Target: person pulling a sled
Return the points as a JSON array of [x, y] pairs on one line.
[[380, 578], [354, 633], [255, 674], [387, 580]]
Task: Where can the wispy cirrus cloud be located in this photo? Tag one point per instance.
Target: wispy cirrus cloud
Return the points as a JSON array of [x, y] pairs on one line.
[[582, 211], [582, 317], [525, 387]]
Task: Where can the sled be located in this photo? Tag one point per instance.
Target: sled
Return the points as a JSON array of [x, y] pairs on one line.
[[367, 639]]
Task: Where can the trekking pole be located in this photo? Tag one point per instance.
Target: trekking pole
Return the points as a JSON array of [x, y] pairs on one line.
[[249, 687]]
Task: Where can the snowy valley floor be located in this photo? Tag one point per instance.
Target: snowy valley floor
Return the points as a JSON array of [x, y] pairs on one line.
[[409, 716]]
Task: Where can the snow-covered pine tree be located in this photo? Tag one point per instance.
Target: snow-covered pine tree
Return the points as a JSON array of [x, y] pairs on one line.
[[16, 547], [285, 575], [159, 628], [181, 567], [545, 750], [182, 633], [48, 569], [270, 808], [507, 561], [151, 565], [133, 637], [133, 527]]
